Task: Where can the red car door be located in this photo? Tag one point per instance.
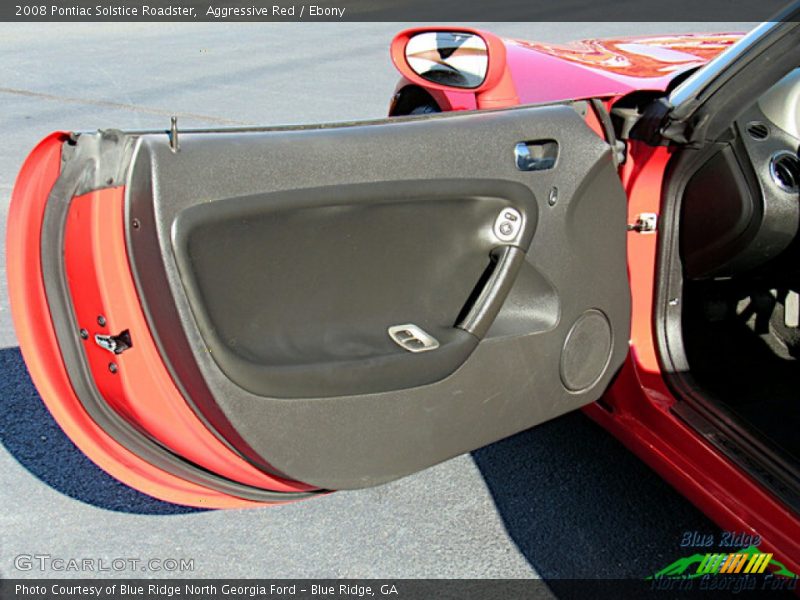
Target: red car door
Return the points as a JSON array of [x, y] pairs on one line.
[[223, 318]]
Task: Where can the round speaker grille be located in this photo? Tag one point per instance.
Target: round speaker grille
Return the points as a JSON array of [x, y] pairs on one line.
[[586, 352]]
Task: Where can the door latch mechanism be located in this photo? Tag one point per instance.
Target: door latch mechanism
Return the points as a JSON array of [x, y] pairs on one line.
[[645, 223], [116, 344]]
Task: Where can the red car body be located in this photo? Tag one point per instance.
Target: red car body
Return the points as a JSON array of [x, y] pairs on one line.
[[602, 68], [636, 408]]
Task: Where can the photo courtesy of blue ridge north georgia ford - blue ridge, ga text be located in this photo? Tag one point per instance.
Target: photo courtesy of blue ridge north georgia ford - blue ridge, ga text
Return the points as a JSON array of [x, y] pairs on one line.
[[170, 590]]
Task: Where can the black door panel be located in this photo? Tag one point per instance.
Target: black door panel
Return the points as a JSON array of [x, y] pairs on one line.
[[273, 263], [323, 273]]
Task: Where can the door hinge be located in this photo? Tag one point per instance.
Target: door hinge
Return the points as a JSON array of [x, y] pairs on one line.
[[645, 223], [652, 125], [116, 344], [619, 150]]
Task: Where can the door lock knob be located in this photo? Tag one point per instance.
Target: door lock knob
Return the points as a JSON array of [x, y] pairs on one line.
[[508, 225]]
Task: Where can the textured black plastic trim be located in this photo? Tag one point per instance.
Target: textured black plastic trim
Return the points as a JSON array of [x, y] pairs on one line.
[[576, 262], [323, 272]]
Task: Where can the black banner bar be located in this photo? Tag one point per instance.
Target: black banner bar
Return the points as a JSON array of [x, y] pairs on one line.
[[426, 11], [400, 589]]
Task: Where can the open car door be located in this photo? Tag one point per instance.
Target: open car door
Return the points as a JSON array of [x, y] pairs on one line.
[[221, 318]]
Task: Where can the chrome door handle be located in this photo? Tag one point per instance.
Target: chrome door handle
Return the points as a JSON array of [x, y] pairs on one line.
[[536, 156]]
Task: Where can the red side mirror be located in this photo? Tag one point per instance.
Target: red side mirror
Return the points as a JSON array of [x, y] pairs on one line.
[[462, 59]]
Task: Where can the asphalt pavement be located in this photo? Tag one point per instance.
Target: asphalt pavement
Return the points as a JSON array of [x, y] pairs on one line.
[[563, 500]]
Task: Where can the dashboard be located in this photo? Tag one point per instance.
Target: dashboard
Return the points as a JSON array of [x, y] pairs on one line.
[[741, 208]]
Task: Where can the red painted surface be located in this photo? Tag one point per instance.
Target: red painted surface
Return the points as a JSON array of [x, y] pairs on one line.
[[103, 256], [496, 91], [640, 61], [586, 69], [142, 389], [640, 398]]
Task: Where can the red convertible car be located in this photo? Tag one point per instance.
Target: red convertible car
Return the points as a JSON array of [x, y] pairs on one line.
[[239, 317]]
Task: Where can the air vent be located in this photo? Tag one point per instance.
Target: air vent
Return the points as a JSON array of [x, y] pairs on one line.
[[785, 171], [758, 130]]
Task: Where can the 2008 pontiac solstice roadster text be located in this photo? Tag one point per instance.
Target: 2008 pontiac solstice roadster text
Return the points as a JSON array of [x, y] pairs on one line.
[[46, 11]]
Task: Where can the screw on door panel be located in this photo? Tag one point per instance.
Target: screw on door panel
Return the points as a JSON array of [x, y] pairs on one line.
[[552, 197]]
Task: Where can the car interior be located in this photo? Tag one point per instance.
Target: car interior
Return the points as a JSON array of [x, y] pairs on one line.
[[740, 267]]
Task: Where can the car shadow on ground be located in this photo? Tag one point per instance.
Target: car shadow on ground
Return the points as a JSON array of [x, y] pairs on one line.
[[34, 439], [573, 499], [570, 487]]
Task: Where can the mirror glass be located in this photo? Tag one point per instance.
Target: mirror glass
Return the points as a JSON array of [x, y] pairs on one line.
[[449, 58]]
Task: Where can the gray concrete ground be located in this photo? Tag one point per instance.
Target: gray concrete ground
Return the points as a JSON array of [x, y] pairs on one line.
[[550, 502]]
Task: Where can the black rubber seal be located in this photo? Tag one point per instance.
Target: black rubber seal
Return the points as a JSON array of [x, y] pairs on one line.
[[62, 313]]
